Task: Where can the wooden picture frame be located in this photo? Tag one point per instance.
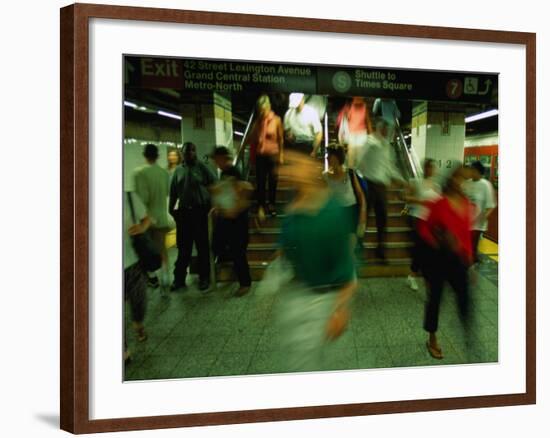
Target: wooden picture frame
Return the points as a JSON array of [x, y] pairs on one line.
[[75, 244]]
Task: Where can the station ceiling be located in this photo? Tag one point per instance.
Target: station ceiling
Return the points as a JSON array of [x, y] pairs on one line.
[[171, 100]]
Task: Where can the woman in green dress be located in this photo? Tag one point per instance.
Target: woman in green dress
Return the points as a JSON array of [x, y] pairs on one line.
[[316, 241]]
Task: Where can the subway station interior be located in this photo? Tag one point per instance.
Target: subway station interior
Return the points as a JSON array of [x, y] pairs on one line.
[[446, 117]]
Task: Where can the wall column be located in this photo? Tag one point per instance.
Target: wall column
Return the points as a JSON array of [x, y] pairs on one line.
[[208, 123], [438, 132]]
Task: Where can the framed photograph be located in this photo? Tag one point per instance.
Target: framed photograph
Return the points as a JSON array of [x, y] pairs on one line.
[[276, 218]]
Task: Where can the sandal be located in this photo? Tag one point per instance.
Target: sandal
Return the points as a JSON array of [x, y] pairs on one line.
[[435, 352]]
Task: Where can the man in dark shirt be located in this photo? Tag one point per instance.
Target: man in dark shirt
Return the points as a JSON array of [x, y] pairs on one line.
[[189, 205], [232, 222]]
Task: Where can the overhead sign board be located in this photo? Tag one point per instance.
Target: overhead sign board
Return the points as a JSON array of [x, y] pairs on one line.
[[256, 77]]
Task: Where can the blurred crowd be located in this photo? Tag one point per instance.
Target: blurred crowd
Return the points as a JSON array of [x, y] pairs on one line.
[[324, 224]]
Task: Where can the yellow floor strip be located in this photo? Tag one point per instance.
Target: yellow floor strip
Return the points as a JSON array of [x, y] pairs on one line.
[[487, 246], [170, 240]]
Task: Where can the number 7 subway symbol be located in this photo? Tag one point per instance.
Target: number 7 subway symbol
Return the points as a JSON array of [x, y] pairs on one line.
[[487, 83]]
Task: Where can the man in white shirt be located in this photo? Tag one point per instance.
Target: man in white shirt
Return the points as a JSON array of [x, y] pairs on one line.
[[389, 111], [152, 186], [303, 129], [376, 166], [481, 193]]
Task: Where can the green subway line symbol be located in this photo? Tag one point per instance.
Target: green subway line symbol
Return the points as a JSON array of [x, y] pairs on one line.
[[341, 81]]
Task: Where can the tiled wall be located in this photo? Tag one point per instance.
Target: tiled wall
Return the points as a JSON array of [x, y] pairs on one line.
[[418, 137], [443, 147], [439, 136], [489, 139], [216, 127]]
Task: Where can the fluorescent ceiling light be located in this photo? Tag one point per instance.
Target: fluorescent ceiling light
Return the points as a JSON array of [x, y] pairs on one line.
[[166, 114], [480, 116], [239, 133], [135, 106]]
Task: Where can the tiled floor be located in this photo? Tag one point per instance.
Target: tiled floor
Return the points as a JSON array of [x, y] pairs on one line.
[[196, 335]]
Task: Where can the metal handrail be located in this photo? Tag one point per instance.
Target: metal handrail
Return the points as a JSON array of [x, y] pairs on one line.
[[412, 160], [414, 157], [401, 161], [239, 156]]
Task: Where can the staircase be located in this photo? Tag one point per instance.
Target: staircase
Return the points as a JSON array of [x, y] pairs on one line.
[[264, 237]]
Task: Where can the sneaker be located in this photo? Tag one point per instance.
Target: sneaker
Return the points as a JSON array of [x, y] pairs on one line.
[[153, 282], [412, 282]]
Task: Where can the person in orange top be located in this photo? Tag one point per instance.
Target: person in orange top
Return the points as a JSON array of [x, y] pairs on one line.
[[354, 125], [267, 136], [449, 252]]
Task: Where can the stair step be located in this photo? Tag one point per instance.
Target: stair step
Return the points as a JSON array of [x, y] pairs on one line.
[[283, 194], [366, 245], [286, 188], [393, 206], [282, 182], [393, 234], [280, 207], [264, 235], [269, 222], [369, 254], [271, 235], [394, 268], [394, 250], [394, 220]]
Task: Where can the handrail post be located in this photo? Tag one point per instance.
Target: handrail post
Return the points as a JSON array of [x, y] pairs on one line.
[[245, 134], [410, 153]]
